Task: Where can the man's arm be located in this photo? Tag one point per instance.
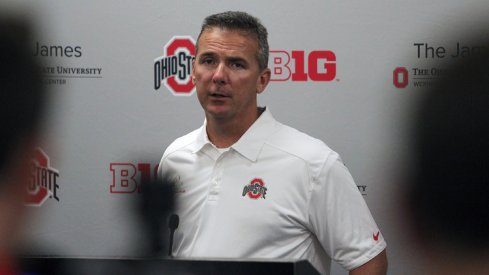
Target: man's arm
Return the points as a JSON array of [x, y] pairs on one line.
[[376, 266]]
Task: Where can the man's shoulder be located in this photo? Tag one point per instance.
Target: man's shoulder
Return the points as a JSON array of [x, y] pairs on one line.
[[300, 144], [182, 142]]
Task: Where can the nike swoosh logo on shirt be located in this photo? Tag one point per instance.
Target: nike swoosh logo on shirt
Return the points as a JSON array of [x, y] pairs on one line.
[[376, 236]]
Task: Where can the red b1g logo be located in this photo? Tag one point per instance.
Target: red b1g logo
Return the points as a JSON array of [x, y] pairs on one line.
[[174, 68], [321, 65], [43, 184], [127, 177]]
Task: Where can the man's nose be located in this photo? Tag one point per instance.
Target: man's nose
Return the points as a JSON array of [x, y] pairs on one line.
[[220, 75]]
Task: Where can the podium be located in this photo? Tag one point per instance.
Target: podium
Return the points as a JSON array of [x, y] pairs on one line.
[[136, 266]]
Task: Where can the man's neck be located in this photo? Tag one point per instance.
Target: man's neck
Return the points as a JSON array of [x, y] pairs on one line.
[[224, 133]]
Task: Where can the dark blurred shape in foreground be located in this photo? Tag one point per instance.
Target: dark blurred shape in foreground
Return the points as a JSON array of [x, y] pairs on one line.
[[449, 177], [22, 96], [157, 203], [22, 100]]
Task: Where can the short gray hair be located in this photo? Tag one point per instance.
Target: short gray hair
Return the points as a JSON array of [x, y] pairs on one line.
[[241, 21]]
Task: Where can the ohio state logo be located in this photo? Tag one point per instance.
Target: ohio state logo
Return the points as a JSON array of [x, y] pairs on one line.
[[43, 184], [255, 189], [174, 68], [400, 77]]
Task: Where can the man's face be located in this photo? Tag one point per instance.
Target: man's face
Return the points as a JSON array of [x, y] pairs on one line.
[[227, 75]]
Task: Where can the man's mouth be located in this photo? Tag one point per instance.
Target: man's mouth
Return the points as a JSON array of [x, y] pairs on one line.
[[218, 95]]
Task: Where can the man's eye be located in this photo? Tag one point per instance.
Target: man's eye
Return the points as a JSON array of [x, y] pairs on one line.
[[207, 61], [237, 65]]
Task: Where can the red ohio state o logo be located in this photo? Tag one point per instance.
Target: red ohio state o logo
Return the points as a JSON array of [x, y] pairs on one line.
[[400, 77], [43, 184], [255, 189], [174, 68], [258, 194]]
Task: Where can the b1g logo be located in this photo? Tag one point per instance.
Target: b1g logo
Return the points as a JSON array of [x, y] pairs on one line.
[[43, 184], [174, 68], [400, 77], [255, 189], [320, 65], [127, 177]]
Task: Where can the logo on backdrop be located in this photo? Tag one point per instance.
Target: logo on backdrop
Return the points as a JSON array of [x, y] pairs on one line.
[[127, 177], [400, 77], [256, 189], [44, 181], [174, 67], [362, 189], [60, 74], [318, 65], [419, 76]]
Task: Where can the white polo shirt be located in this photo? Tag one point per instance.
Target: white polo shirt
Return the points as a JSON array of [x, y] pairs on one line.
[[276, 193]]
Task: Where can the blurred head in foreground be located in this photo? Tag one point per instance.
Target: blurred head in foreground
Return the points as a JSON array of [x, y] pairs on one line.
[[449, 184], [21, 102]]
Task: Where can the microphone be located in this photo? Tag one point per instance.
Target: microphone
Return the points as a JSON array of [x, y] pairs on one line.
[[172, 225]]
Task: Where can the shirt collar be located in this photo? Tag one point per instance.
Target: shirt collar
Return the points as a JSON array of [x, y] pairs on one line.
[[202, 139], [252, 141]]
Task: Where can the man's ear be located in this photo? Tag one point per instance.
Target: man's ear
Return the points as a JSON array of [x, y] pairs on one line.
[[263, 80]]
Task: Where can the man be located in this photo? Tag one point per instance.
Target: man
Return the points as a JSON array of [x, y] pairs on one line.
[[21, 100], [251, 187], [448, 190]]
